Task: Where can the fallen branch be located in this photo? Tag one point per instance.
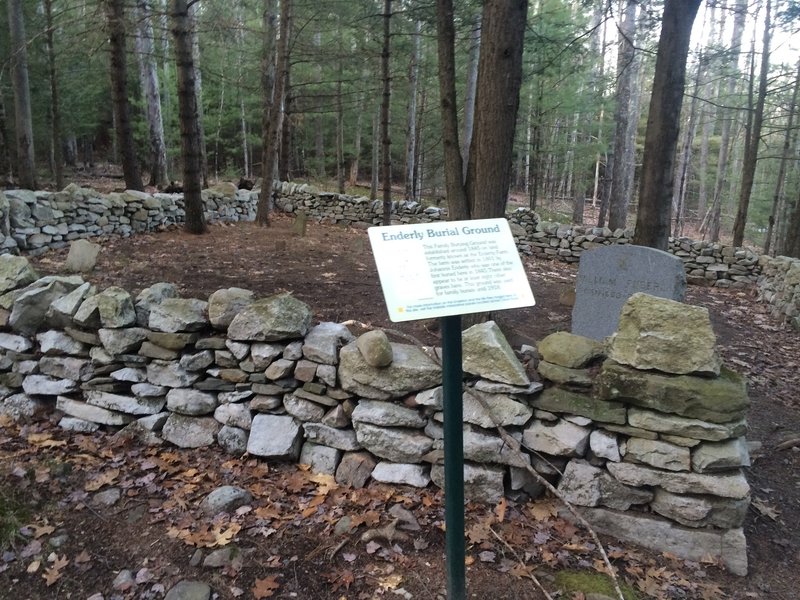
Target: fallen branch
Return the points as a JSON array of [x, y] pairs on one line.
[[788, 444]]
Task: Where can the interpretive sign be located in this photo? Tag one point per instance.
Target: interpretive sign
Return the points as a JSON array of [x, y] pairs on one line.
[[608, 276], [449, 268]]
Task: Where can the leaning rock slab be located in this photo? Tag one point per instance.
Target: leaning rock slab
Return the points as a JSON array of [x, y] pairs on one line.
[[322, 343], [127, 404], [149, 297], [387, 414], [82, 256], [275, 436], [661, 334], [87, 412], [503, 411], [279, 317], [488, 354], [342, 439], [32, 303], [411, 370]]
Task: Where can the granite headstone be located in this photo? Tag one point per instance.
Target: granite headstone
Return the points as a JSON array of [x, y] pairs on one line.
[[608, 276]]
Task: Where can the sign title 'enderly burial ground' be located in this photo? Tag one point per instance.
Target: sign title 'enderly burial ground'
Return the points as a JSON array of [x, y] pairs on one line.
[[442, 269]]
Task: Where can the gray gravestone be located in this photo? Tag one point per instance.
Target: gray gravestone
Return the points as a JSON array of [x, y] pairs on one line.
[[608, 276]]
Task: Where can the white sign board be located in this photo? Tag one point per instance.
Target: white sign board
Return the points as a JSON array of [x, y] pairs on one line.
[[449, 268]]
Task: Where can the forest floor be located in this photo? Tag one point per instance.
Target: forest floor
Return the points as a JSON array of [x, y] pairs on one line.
[[301, 536]]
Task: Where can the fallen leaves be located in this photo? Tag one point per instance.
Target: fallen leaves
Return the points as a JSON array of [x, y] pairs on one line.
[[54, 572], [265, 588]]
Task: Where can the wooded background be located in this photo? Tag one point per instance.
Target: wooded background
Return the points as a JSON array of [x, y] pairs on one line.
[[108, 80]]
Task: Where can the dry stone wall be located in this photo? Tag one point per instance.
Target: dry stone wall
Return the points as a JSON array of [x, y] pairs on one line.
[[33, 222], [647, 438]]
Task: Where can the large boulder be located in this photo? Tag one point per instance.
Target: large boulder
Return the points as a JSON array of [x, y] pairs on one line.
[[719, 400], [411, 371], [661, 334], [275, 436], [487, 353], [279, 317]]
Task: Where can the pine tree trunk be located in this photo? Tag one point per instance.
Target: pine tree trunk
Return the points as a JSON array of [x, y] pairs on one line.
[[499, 80], [239, 87], [148, 75], [269, 33], [26, 165], [754, 136], [727, 116], [115, 12], [198, 90], [5, 146], [353, 177], [785, 156], [655, 197], [620, 193], [411, 121], [386, 142], [340, 167], [271, 148], [471, 87], [189, 117], [55, 109], [376, 153], [683, 171]]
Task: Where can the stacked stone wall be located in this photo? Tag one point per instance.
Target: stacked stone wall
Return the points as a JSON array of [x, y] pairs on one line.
[[33, 222], [255, 375]]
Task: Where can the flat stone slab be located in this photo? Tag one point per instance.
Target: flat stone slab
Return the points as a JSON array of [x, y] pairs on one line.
[[608, 276], [729, 546], [276, 436]]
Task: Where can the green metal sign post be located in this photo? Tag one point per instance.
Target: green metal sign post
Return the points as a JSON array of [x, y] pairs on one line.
[[445, 270], [452, 383]]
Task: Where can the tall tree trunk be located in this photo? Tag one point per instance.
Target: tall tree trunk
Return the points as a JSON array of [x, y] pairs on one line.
[[655, 197], [285, 154], [148, 75], [386, 142], [683, 171], [708, 110], [239, 87], [785, 155], [5, 146], [189, 116], [269, 16], [115, 12], [620, 193], [340, 167], [376, 153], [457, 206], [728, 116], [411, 121], [271, 148], [353, 177], [198, 89], [26, 165], [496, 105], [472, 83], [754, 136], [55, 109]]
